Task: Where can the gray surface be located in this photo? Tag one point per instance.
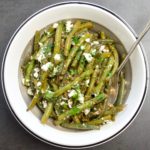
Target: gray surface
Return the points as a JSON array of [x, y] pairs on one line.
[[12, 135]]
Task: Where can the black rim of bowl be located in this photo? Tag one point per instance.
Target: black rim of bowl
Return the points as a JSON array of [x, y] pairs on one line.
[[34, 134]]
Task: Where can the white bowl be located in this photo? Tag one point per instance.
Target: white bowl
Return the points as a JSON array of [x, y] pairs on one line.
[[17, 101]]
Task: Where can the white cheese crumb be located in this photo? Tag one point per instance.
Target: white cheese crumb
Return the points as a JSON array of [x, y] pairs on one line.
[[40, 56], [81, 98], [93, 52], [72, 93], [64, 98], [40, 44], [103, 49], [55, 70], [69, 26], [88, 40], [70, 104], [36, 70], [55, 25], [49, 54], [44, 104], [82, 47], [46, 66], [95, 42], [88, 57], [39, 84], [87, 82], [57, 57], [86, 111], [62, 103], [29, 91], [36, 74], [95, 108], [37, 91]]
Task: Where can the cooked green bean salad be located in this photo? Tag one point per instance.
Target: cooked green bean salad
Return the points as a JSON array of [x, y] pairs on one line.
[[68, 75]]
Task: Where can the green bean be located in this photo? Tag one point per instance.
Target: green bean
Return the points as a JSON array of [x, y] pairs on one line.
[[106, 41], [47, 113], [55, 87], [82, 61], [100, 121], [73, 53], [79, 126], [28, 72], [92, 82], [78, 109], [121, 92], [44, 81], [108, 68], [46, 35], [60, 91], [58, 39], [116, 57], [69, 37], [33, 102], [76, 59], [103, 36], [85, 25], [36, 41], [113, 110]]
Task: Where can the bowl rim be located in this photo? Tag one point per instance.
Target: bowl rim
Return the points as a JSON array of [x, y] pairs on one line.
[[3, 84]]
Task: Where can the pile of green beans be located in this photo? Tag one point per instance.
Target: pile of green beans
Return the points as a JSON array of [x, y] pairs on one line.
[[68, 75]]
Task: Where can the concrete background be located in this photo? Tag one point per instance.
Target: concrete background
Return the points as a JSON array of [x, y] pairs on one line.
[[12, 135]]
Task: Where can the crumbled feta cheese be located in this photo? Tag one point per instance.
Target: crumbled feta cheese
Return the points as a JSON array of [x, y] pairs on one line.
[[29, 91], [36, 74], [57, 57], [103, 49], [69, 26], [93, 52], [82, 35], [39, 84], [46, 66], [88, 40], [72, 93], [55, 25], [49, 54], [97, 66], [88, 57], [70, 104], [87, 82], [95, 108], [55, 70], [40, 56], [86, 111], [36, 69], [62, 103], [40, 44], [23, 80], [37, 91], [95, 42], [64, 98], [44, 104], [81, 98], [31, 57], [82, 47]]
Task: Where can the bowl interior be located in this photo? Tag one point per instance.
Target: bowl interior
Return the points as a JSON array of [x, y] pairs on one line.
[[97, 27], [20, 47]]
